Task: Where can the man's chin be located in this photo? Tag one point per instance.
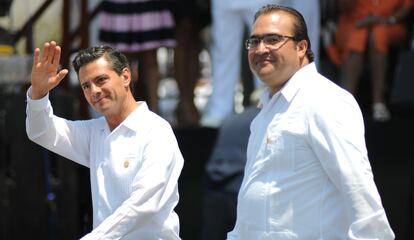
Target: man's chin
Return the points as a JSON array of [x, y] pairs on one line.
[[101, 109], [263, 73]]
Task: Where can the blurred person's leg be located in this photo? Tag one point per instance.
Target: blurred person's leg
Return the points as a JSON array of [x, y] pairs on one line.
[[351, 71], [382, 38], [379, 67], [187, 70], [227, 34], [148, 73]]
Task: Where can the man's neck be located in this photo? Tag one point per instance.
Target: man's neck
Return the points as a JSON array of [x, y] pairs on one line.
[[115, 119]]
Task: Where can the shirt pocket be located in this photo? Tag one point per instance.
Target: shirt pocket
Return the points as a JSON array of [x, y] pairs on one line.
[[280, 151], [124, 164]]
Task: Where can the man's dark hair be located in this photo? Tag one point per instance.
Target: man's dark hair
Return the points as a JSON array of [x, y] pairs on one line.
[[117, 61], [300, 30]]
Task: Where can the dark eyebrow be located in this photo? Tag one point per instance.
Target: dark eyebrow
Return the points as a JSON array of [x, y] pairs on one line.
[[104, 75], [84, 84], [264, 35]]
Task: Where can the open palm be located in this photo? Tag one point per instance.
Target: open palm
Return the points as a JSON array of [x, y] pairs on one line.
[[45, 75]]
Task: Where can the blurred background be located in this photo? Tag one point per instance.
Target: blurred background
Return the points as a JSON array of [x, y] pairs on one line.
[[44, 196]]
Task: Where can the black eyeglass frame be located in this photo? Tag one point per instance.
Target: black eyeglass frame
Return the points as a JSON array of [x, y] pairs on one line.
[[261, 38]]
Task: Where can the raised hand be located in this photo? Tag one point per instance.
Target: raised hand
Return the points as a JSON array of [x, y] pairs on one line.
[[45, 75]]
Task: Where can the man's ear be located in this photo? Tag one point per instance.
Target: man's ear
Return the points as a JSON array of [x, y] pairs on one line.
[[302, 47], [126, 75]]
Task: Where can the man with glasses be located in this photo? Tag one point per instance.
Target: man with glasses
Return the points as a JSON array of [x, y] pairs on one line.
[[307, 174]]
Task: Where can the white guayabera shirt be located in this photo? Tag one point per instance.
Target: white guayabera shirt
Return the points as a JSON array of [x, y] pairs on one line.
[[134, 169], [307, 174]]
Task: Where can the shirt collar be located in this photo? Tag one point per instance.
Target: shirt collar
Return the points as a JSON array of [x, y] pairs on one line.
[[138, 115], [292, 86]]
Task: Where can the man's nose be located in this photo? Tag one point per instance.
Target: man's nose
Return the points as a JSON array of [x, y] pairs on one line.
[[261, 47], [94, 88]]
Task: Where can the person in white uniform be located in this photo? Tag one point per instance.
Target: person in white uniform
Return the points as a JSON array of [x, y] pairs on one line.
[[133, 183], [307, 174], [229, 21]]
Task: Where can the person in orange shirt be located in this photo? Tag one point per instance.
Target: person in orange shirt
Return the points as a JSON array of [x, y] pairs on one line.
[[367, 29]]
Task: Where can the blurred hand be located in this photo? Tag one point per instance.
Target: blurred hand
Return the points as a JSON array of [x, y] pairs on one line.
[[369, 21], [45, 75]]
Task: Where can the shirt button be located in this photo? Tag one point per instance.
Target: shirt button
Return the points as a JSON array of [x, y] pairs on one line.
[[126, 164]]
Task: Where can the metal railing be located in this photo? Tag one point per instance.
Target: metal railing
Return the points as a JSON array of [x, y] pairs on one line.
[[68, 36]]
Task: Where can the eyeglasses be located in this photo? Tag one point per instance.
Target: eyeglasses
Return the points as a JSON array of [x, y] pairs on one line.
[[271, 40]]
